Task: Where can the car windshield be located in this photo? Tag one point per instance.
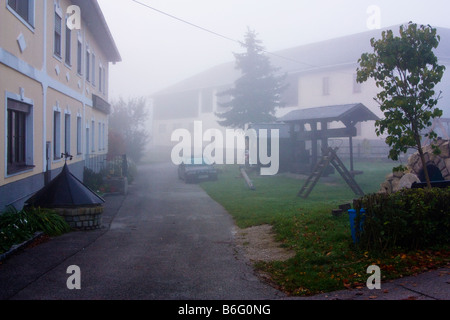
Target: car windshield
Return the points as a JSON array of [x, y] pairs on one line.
[[196, 162]]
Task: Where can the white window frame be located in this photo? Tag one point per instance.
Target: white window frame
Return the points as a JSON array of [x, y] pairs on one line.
[[56, 133], [68, 45], [67, 131], [80, 54], [93, 135], [29, 133], [326, 86], [105, 90], [104, 136], [87, 64], [100, 77], [58, 12], [357, 87], [79, 135], [31, 9], [93, 67]]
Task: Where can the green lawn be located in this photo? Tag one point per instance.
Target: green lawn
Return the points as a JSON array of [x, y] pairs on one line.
[[275, 197], [326, 258]]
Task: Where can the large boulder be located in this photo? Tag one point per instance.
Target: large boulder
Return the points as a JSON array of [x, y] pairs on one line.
[[406, 182]]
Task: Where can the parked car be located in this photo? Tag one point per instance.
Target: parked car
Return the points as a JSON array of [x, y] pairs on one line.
[[191, 172]]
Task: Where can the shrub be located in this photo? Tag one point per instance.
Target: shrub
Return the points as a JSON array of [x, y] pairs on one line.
[[19, 226], [409, 219], [47, 221], [92, 179]]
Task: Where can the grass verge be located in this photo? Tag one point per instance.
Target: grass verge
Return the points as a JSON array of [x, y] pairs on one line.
[[326, 258]]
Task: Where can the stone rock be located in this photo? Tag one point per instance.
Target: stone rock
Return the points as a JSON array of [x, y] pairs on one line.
[[417, 167], [397, 181], [386, 187], [413, 160], [398, 174], [447, 164], [440, 163], [406, 182], [394, 185], [445, 150]]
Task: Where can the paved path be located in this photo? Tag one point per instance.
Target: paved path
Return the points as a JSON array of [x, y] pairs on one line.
[[168, 240]]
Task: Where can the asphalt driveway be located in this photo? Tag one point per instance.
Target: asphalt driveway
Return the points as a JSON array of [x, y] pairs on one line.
[[166, 240]]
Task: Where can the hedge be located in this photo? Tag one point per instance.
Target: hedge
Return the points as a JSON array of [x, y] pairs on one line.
[[408, 219]]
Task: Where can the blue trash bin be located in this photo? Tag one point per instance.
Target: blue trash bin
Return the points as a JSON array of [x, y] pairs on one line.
[[352, 217]]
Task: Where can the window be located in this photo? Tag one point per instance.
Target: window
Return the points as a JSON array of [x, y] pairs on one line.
[[17, 132], [87, 140], [104, 137], [207, 101], [68, 46], [356, 85], [79, 147], [24, 9], [67, 133], [326, 86], [99, 136], [93, 136], [104, 80], [88, 58], [93, 69], [56, 135], [79, 57], [100, 87], [57, 36]]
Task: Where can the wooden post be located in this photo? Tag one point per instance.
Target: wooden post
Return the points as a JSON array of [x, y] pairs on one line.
[[247, 179], [314, 154], [351, 153], [324, 128], [293, 138]]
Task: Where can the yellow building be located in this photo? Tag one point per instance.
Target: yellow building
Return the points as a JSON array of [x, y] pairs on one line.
[[53, 91]]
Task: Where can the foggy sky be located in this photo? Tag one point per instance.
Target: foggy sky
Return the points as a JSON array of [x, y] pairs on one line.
[[158, 51]]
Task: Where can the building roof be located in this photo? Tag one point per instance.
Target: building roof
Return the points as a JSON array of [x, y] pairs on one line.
[[284, 130], [95, 21], [338, 52], [65, 191], [348, 113]]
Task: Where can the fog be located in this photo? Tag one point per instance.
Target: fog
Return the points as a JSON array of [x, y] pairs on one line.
[[158, 50]]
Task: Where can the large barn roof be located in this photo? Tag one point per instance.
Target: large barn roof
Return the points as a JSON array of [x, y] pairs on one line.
[[337, 52]]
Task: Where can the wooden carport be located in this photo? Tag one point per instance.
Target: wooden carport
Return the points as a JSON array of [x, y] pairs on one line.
[[313, 124]]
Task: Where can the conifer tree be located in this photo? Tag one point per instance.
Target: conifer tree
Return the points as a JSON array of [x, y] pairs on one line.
[[257, 93]]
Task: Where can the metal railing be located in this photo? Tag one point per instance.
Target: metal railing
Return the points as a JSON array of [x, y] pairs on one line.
[[116, 166]]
